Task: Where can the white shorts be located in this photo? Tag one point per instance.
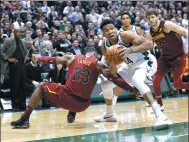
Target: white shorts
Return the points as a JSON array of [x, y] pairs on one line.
[[143, 71]]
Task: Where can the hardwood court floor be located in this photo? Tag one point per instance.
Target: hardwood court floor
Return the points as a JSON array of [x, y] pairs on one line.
[[52, 123]]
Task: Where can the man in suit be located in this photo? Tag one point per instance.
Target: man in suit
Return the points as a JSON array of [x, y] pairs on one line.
[[75, 49], [12, 58]]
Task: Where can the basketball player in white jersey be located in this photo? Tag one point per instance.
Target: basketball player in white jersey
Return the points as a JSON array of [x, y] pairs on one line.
[[126, 24], [137, 69]]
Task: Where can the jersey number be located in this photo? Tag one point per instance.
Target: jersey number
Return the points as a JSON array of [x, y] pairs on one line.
[[81, 75], [163, 43], [128, 61]]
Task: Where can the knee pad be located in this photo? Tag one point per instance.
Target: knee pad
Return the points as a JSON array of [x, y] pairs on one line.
[[107, 89]]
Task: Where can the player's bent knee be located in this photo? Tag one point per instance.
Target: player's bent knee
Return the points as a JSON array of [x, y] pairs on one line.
[[141, 86]]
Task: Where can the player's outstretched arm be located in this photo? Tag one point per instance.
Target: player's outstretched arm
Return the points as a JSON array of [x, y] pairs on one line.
[[141, 43], [66, 59], [176, 28]]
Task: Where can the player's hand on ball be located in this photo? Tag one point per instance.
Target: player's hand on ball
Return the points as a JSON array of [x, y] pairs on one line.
[[109, 61], [124, 51]]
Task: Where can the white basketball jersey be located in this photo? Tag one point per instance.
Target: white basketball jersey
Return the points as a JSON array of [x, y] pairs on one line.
[[133, 59], [133, 29]]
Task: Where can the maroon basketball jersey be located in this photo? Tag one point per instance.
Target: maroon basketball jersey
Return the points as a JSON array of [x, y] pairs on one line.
[[171, 44], [82, 76]]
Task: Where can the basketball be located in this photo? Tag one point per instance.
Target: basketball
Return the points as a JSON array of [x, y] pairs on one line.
[[112, 55]]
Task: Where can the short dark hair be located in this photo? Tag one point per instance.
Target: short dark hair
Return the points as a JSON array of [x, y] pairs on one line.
[[151, 11], [126, 13], [90, 38], [106, 22], [89, 49]]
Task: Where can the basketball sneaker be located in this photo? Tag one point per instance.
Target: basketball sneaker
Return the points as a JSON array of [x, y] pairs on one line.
[[21, 123], [71, 117], [163, 122], [162, 108], [147, 105], [106, 118]]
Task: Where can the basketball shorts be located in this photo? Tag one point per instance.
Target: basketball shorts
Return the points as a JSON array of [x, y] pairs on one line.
[[145, 70], [58, 95]]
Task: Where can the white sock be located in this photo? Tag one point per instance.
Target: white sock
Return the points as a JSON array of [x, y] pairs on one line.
[[109, 110], [157, 110]]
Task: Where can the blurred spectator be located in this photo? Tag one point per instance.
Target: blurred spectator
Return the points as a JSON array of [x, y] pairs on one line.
[[90, 42], [45, 8], [68, 9], [47, 50], [75, 49], [62, 44], [184, 20], [18, 23], [4, 37], [13, 52], [39, 36], [58, 74], [33, 72], [76, 15]]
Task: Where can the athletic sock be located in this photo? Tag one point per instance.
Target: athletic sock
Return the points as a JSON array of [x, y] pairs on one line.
[[27, 112], [109, 110], [157, 111], [159, 100]]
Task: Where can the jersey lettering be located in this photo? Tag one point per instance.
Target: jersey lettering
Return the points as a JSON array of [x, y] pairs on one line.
[[163, 43], [81, 75], [128, 61]]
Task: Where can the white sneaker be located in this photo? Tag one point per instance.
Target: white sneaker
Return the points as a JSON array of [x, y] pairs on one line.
[[162, 108], [162, 123], [105, 118]]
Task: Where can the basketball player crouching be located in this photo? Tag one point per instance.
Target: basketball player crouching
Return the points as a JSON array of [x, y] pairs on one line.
[[137, 69]]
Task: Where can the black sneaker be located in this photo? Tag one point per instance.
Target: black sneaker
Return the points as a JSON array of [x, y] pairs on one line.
[[71, 117], [21, 123]]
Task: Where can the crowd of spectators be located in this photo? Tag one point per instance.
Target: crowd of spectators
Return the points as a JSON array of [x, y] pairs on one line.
[[54, 27]]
